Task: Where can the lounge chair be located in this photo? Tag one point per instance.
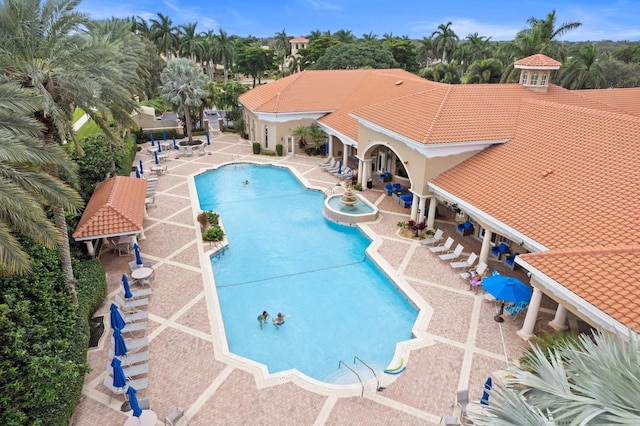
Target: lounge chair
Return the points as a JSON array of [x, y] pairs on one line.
[[500, 250], [137, 384], [330, 165], [444, 248], [454, 255], [180, 150], [130, 305], [450, 421], [132, 359], [135, 316], [137, 294], [335, 167], [510, 261], [326, 161], [131, 371], [346, 173], [516, 308], [388, 188], [432, 240], [480, 270], [175, 415], [407, 199], [134, 327], [465, 264]]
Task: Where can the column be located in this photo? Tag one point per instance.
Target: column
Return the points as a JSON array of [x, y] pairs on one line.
[[414, 208], [90, 249], [486, 246], [559, 322], [361, 171], [330, 145], [422, 207], [345, 156], [431, 218], [526, 332], [364, 170]]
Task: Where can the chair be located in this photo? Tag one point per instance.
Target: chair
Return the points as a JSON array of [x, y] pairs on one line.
[[134, 327], [510, 261], [150, 201], [480, 270], [516, 308], [163, 157], [201, 149], [145, 264], [462, 399], [388, 188], [446, 247], [330, 165], [500, 250], [385, 177], [432, 240], [397, 188], [173, 417], [130, 305], [326, 161], [465, 228], [132, 359], [451, 256], [137, 294], [407, 199], [450, 421], [465, 264]]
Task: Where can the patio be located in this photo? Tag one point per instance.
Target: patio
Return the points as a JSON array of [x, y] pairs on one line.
[[187, 369]]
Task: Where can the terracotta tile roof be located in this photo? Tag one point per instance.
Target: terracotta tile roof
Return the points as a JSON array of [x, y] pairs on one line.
[[606, 277], [538, 60], [116, 207], [299, 39], [625, 100], [567, 172]]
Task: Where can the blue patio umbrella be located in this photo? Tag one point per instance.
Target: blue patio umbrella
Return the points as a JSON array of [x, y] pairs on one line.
[[141, 168], [127, 289], [119, 346], [164, 135], [136, 250], [208, 141], [116, 319], [340, 167], [175, 146], [119, 379], [485, 394], [137, 173], [151, 136], [133, 401], [507, 289], [155, 157]]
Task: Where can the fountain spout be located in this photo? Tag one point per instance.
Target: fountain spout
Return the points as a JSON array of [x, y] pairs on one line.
[[349, 199]]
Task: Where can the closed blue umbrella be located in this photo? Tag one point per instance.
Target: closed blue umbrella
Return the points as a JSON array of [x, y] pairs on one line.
[[155, 156], [133, 402], [119, 379], [340, 167], [151, 136], [175, 146], [208, 141], [127, 289], [159, 147], [137, 173], [116, 319], [119, 346], [136, 250], [485, 394], [141, 168], [164, 135]]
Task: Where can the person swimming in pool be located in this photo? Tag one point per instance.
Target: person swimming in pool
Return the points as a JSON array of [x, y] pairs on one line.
[[278, 321], [263, 318]]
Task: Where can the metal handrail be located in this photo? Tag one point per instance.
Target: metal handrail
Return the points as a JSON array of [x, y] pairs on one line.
[[328, 191], [369, 367], [357, 375]]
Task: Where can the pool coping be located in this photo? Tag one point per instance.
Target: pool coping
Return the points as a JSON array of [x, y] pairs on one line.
[[259, 371]]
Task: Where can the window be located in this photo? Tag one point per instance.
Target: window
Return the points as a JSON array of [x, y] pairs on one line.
[[266, 137], [543, 80], [525, 76], [534, 79]]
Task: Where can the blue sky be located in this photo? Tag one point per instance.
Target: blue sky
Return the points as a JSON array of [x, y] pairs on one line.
[[601, 19]]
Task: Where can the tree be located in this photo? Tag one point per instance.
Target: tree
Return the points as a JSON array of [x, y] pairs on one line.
[[25, 187], [282, 46], [316, 134], [224, 46], [254, 61], [228, 97], [425, 52], [548, 26], [484, 71], [164, 35], [316, 50], [443, 73], [404, 53], [42, 47], [355, 56], [344, 36], [479, 47], [584, 70], [190, 45], [620, 74], [183, 85], [583, 381], [445, 40], [301, 133]]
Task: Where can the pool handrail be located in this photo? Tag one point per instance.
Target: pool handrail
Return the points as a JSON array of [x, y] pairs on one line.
[[369, 367], [357, 375]]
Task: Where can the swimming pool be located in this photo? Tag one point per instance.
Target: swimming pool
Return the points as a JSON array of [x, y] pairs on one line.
[[284, 256]]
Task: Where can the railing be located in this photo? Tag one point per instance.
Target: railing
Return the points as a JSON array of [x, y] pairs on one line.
[[356, 357], [328, 192], [357, 375]]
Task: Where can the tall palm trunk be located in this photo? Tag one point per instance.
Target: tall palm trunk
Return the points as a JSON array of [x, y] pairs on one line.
[[187, 119]]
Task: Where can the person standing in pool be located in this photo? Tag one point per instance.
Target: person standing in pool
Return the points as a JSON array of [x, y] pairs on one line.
[[278, 321], [262, 318]]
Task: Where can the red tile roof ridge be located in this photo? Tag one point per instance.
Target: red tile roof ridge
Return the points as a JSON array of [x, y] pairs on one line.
[[582, 251], [584, 109], [435, 121]]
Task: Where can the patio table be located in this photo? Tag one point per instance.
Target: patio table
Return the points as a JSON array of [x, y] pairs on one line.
[[147, 418], [141, 273]]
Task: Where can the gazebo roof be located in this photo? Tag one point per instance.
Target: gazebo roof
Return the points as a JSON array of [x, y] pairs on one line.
[[115, 208]]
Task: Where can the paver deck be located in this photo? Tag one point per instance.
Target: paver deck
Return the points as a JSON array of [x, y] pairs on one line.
[[460, 343]]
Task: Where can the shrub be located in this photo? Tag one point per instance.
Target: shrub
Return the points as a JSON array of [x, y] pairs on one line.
[[203, 220], [213, 234], [256, 147], [357, 187], [279, 148], [213, 217], [268, 152]]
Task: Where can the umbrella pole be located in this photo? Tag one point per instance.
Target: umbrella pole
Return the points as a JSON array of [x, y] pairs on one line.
[[498, 317]]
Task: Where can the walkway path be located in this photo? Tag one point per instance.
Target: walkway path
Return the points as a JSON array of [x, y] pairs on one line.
[[189, 368]]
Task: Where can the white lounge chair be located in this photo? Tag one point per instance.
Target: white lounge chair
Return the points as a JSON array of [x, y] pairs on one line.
[[465, 264], [135, 316], [131, 371], [432, 240], [134, 327], [454, 255], [137, 294], [330, 165], [130, 305], [446, 247], [480, 270], [326, 161], [132, 359], [137, 384], [173, 417]]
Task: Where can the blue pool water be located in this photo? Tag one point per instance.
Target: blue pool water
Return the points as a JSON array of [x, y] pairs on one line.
[[284, 256]]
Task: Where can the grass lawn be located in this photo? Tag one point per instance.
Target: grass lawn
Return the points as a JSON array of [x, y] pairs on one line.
[[77, 114], [89, 128]]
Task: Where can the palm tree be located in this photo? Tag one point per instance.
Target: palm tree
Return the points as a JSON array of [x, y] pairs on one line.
[[25, 187], [301, 133], [479, 47], [314, 35], [283, 46], [184, 86], [370, 36], [316, 134], [209, 52], [425, 52], [141, 27], [548, 26], [591, 380], [42, 47], [445, 40], [344, 36], [164, 35], [484, 71], [189, 44], [584, 70], [225, 51]]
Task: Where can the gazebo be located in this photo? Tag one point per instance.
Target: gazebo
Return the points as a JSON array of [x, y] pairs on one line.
[[116, 210]]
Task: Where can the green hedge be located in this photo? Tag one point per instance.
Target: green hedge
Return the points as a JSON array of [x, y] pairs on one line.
[[279, 149], [256, 147], [44, 339], [143, 137], [130, 149]]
